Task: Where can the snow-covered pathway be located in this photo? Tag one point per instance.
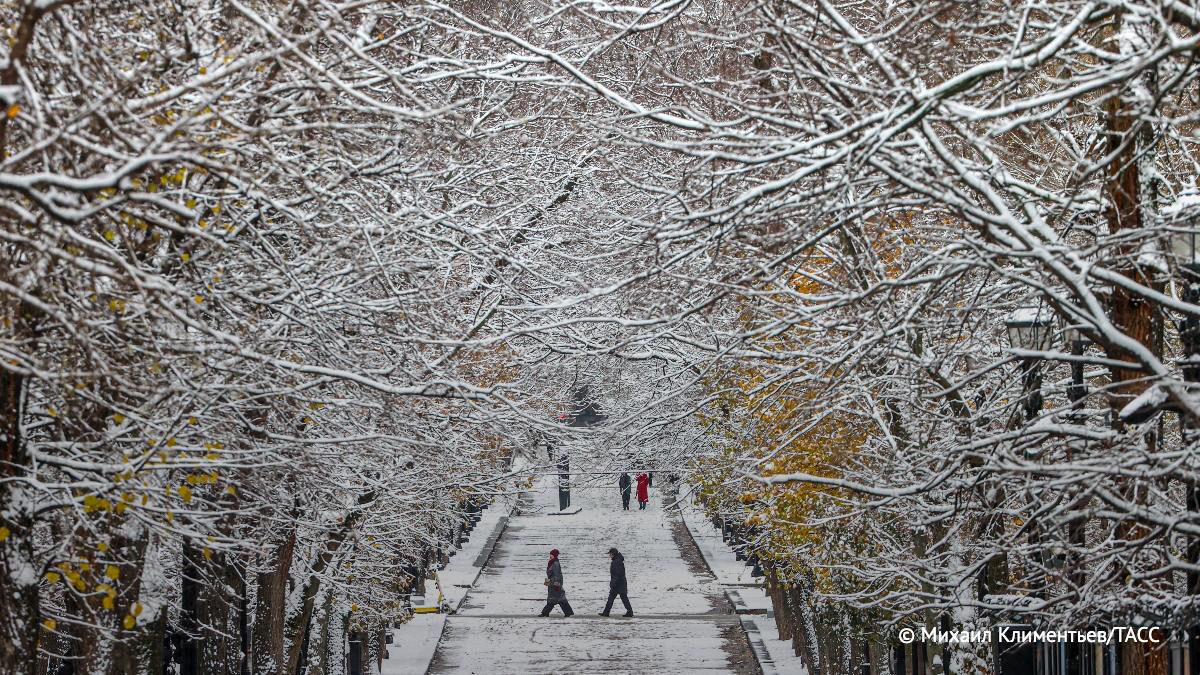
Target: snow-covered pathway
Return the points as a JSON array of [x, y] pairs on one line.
[[683, 624]]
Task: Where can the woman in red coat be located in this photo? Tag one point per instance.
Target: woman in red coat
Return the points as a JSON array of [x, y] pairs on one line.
[[643, 491]]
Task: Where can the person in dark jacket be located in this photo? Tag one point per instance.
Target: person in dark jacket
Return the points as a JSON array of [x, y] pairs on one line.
[[617, 584], [643, 482], [555, 593], [626, 485]]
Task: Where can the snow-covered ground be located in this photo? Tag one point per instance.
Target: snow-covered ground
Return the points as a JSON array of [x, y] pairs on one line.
[[745, 590], [678, 628]]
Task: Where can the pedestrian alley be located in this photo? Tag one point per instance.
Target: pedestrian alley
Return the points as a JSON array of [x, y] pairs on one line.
[[682, 623]]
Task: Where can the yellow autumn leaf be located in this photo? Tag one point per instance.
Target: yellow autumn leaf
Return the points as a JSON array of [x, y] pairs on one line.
[[112, 572], [49, 624], [129, 622]]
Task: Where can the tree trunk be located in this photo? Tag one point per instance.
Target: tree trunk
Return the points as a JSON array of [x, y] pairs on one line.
[[1134, 315], [304, 619], [20, 602], [267, 641], [1130, 312], [1141, 658], [189, 648], [323, 631]]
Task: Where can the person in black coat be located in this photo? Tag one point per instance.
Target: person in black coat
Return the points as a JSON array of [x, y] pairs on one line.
[[617, 585], [626, 486]]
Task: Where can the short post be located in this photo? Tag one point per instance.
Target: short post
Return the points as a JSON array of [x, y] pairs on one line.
[[564, 481]]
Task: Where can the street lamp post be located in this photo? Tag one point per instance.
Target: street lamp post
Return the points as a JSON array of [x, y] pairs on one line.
[[1183, 244], [1030, 329], [1076, 392]]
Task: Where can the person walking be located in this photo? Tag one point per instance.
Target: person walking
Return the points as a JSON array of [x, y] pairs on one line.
[[643, 491], [617, 584], [626, 485], [555, 593]]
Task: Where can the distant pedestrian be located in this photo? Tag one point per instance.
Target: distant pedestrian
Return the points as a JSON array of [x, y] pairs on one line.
[[643, 491], [555, 593], [626, 485], [617, 584]]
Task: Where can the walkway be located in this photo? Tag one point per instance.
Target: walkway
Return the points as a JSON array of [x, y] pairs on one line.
[[683, 623]]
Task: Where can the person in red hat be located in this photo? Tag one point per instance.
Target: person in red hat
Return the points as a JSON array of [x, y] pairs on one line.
[[555, 593], [643, 491]]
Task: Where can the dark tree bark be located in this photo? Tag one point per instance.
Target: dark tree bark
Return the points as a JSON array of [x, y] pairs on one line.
[[303, 621], [1138, 318], [269, 653], [20, 602]]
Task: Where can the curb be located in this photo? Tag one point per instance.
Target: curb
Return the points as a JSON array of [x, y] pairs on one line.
[[753, 635], [739, 605], [485, 554], [687, 526]]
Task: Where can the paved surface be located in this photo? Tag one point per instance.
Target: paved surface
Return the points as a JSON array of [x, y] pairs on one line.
[[683, 623]]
